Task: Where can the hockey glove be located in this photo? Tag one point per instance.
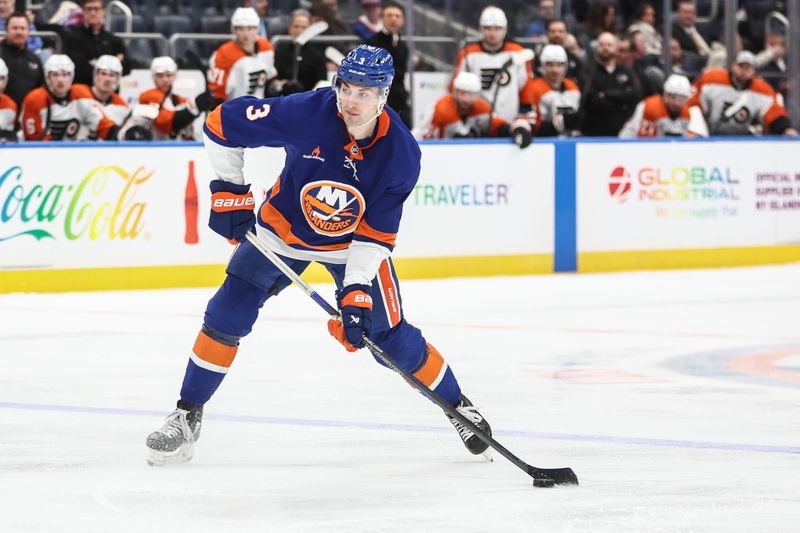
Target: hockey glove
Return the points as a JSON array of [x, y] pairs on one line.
[[355, 305], [521, 133], [231, 209]]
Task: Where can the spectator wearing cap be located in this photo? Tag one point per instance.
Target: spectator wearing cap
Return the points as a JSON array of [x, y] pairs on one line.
[[662, 116], [368, 22], [737, 102], [87, 42], [393, 17], [25, 67], [685, 31], [612, 93]]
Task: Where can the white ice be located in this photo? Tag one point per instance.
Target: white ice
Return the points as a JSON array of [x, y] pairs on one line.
[[675, 397]]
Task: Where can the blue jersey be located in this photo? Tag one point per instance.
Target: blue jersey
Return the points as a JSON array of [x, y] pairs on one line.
[[333, 189]]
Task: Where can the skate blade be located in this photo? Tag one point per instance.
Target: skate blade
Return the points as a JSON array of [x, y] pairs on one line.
[[181, 455], [487, 455]]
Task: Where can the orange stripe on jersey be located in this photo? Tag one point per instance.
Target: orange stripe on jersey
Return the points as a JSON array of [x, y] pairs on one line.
[[432, 370], [389, 290], [365, 230], [211, 351], [214, 122]]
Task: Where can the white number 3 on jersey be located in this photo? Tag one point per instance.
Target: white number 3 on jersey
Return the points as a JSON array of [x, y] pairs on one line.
[[255, 114]]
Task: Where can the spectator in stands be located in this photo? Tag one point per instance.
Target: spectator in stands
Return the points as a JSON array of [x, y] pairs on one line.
[[84, 44], [24, 65], [662, 116], [555, 99], [501, 64], [645, 24], [602, 17], [771, 62], [6, 8], [8, 108], [105, 82], [393, 17], [244, 65], [463, 113], [557, 34], [328, 10], [676, 57], [546, 12], [646, 66], [300, 71], [368, 22], [737, 102], [684, 30], [267, 25], [63, 110], [172, 115], [612, 93]]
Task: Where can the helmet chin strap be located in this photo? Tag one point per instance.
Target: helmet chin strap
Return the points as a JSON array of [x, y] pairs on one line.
[[381, 104]]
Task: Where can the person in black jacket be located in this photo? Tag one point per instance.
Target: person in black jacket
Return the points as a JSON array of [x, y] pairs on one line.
[[24, 65], [84, 44], [393, 17], [612, 94], [310, 62]]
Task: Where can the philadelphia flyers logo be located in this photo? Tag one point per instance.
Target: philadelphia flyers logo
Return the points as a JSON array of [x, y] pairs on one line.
[[332, 208]]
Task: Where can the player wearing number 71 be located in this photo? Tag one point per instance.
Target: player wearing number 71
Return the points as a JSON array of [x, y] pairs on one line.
[[350, 163]]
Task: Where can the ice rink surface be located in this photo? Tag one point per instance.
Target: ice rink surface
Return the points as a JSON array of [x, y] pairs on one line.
[[675, 397]]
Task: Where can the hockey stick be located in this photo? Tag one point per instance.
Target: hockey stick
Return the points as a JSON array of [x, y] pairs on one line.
[[542, 477], [306, 35]]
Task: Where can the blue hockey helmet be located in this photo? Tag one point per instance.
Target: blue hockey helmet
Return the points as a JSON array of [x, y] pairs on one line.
[[367, 65]]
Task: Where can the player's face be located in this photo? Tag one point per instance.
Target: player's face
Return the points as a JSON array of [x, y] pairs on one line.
[[554, 72], [493, 35], [675, 102], [106, 80], [60, 81], [465, 100], [164, 81], [743, 72], [246, 35], [359, 103]]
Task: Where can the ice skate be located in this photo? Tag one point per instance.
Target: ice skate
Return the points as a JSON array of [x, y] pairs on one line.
[[174, 442], [474, 444]]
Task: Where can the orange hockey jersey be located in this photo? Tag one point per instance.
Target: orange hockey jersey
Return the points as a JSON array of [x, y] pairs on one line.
[[165, 126], [447, 123], [75, 117], [732, 111], [233, 72], [651, 119], [8, 117], [547, 102]]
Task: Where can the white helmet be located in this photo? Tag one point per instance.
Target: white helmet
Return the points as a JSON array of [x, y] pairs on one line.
[[553, 53], [494, 17], [3, 69], [467, 82], [163, 64], [58, 63], [677, 84], [244, 16], [108, 62]]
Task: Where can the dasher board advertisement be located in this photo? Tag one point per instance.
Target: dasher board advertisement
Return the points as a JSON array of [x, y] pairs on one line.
[[687, 195]]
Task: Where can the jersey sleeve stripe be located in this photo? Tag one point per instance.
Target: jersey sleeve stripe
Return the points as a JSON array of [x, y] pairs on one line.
[[365, 230], [214, 123], [389, 293]]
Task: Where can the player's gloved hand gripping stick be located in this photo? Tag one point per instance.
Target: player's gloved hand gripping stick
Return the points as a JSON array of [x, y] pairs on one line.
[[232, 213], [542, 477]]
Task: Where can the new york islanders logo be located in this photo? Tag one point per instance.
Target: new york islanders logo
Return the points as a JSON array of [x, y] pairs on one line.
[[332, 208]]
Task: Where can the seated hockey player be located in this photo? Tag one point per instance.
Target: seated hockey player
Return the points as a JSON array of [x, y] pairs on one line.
[[8, 108], [174, 114], [463, 113], [555, 99], [105, 82], [63, 110], [350, 164], [662, 116]]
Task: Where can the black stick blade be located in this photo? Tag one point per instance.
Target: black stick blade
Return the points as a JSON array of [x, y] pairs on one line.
[[548, 477]]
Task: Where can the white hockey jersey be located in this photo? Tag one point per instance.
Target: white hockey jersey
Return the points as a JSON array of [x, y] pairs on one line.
[[76, 117], [547, 102], [233, 72], [116, 109], [652, 119], [507, 83]]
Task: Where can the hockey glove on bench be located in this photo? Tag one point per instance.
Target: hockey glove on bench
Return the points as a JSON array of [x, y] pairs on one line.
[[355, 305], [231, 209]]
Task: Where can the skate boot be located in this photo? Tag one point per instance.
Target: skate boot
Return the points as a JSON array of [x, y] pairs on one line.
[[174, 442], [474, 444]]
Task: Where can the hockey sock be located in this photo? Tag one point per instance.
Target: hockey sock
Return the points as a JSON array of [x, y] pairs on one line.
[[209, 361], [435, 373]]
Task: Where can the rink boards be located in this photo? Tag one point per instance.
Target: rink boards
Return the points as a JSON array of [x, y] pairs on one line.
[[105, 216]]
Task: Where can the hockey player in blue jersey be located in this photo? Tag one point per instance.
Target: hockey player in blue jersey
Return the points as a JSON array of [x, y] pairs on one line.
[[350, 163]]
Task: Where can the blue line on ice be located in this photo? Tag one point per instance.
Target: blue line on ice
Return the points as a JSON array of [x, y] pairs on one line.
[[610, 439]]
